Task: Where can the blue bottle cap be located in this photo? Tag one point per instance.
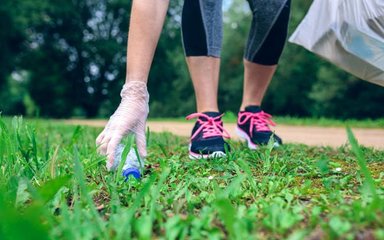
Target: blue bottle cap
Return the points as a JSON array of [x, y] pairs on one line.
[[131, 172]]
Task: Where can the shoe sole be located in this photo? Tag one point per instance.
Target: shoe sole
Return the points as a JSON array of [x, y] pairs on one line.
[[217, 154], [245, 136]]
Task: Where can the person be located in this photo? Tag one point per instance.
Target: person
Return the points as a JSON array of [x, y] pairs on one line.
[[202, 42], [147, 19], [202, 39]]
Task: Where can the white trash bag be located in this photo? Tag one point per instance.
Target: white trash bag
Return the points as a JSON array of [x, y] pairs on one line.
[[348, 33]]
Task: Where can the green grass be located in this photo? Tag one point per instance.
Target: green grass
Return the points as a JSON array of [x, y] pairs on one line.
[[53, 185], [230, 117]]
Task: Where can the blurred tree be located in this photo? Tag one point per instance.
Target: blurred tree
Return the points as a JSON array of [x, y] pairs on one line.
[[11, 38], [82, 46], [304, 84], [169, 83], [237, 21], [76, 53], [14, 15], [338, 94], [67, 58]]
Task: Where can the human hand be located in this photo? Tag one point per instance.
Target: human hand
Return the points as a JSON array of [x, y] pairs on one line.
[[129, 118]]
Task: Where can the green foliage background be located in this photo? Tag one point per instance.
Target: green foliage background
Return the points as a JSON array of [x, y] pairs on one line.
[[67, 58]]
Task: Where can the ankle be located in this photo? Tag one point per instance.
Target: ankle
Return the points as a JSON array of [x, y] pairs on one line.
[[250, 103], [207, 109]]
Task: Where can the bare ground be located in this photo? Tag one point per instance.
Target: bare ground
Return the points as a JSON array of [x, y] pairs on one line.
[[309, 135]]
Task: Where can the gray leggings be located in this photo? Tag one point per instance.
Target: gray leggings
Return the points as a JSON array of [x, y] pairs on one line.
[[202, 29]]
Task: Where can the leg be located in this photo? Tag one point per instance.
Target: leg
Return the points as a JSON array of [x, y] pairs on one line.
[[202, 37], [204, 72], [147, 19], [256, 81], [260, 67]]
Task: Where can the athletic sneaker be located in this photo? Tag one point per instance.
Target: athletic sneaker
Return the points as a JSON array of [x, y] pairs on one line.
[[207, 140], [253, 126]]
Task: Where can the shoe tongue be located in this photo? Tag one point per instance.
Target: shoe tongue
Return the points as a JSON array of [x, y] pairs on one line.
[[253, 109], [210, 114]]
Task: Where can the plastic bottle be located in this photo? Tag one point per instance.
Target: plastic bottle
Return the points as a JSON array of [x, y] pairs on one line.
[[131, 165]]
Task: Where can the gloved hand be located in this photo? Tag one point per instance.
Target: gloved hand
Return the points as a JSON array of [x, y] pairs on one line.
[[129, 118]]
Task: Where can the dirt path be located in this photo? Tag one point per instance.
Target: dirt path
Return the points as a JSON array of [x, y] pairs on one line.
[[309, 135]]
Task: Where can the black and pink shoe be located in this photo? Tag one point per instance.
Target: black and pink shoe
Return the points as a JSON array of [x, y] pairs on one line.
[[253, 126], [207, 140]]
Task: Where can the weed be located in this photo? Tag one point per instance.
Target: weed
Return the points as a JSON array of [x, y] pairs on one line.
[[54, 185]]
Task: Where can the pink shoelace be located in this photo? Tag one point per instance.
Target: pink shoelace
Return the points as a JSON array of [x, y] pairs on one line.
[[261, 121], [211, 126]]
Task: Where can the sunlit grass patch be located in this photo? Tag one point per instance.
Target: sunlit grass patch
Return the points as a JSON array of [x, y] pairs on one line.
[[53, 184]]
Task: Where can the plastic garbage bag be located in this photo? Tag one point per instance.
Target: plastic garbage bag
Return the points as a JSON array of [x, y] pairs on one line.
[[348, 33]]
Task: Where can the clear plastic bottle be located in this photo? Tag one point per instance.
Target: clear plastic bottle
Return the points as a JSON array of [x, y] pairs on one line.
[[131, 166]]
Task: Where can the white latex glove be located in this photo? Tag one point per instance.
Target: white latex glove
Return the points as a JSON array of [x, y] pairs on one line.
[[129, 118]]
